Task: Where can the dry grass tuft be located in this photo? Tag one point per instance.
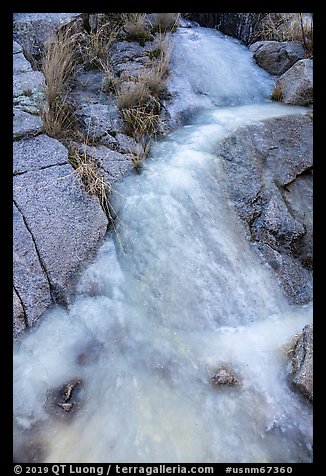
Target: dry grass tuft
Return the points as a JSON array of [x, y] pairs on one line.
[[132, 94], [139, 155], [59, 65], [134, 23], [97, 43], [90, 176], [58, 119], [139, 121], [277, 93], [136, 26], [165, 22], [138, 100]]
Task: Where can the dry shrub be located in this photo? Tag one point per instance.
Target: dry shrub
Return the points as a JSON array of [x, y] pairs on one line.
[[91, 177], [154, 78], [59, 120]]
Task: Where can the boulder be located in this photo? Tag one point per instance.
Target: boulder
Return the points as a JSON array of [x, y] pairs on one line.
[[125, 51], [65, 399], [25, 83], [269, 168], [294, 276], [299, 200], [276, 57], [25, 124], [88, 88], [296, 84], [122, 143], [302, 362], [64, 223]]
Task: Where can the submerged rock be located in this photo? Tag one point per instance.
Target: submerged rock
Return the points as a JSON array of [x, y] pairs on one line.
[[302, 362], [65, 399], [277, 56], [224, 377]]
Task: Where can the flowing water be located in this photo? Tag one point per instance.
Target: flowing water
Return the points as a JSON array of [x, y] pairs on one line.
[[150, 324]]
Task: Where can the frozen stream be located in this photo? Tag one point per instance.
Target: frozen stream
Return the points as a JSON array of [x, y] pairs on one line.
[[151, 324]]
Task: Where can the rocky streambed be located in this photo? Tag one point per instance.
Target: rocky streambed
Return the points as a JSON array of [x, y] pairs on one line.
[[180, 331]]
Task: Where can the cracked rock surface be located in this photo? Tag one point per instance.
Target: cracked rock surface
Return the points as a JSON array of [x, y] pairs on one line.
[[269, 166]]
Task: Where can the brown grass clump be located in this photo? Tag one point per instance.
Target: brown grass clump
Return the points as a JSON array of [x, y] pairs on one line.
[[139, 155], [140, 121], [136, 27], [132, 94], [97, 43], [165, 22], [59, 65], [138, 100], [277, 93], [89, 174]]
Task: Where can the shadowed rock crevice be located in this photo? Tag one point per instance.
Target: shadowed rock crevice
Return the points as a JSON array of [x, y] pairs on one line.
[[21, 322]]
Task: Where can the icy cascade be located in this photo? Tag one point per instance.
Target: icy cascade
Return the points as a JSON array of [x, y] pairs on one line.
[[174, 294]]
